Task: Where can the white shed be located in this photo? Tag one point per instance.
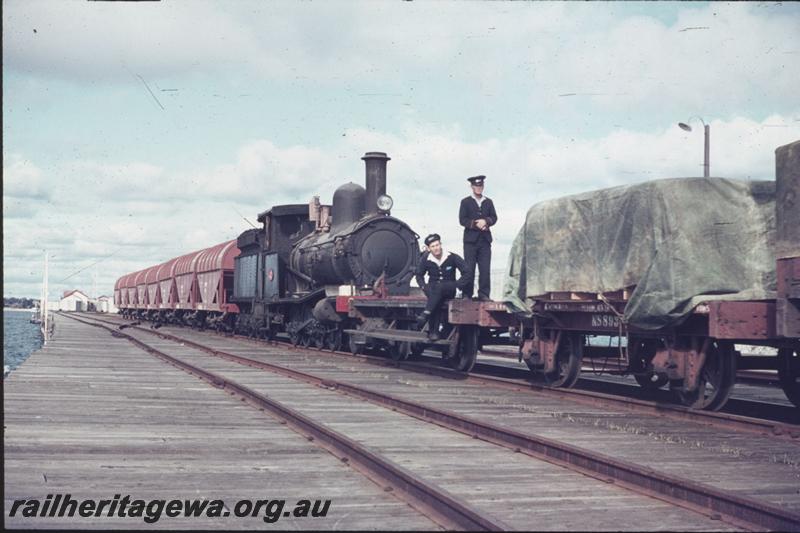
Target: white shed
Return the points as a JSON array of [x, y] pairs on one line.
[[74, 300], [105, 304]]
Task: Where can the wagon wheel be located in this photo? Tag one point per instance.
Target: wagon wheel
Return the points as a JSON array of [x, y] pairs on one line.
[[446, 355], [645, 350], [466, 348], [651, 380], [399, 350], [568, 363], [716, 379], [333, 340], [789, 372]]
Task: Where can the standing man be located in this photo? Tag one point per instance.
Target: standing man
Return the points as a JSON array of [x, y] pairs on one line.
[[477, 215], [440, 266]]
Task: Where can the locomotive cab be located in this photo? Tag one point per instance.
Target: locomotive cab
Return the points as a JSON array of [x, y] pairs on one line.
[[283, 227]]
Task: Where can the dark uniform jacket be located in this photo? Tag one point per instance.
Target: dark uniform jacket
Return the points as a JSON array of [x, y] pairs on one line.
[[469, 212], [436, 273]]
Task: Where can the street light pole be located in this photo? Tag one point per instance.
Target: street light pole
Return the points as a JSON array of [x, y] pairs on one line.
[[707, 143], [706, 163]]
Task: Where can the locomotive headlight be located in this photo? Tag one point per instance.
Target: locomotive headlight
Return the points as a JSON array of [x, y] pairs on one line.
[[385, 202]]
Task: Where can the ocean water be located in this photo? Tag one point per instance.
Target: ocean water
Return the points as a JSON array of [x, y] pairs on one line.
[[20, 338]]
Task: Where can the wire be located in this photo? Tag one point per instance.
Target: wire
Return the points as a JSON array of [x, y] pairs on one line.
[[89, 266], [245, 218]]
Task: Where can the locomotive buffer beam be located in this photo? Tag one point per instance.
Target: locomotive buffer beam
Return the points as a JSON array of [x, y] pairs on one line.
[[393, 303], [399, 335]]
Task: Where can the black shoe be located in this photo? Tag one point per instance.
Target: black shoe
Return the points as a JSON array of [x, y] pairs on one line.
[[433, 336], [484, 299], [422, 319]]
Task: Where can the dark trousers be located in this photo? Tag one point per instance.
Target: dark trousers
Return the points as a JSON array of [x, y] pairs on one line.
[[437, 293], [480, 254]]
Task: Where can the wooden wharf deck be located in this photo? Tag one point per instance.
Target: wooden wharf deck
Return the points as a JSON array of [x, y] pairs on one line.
[[94, 416], [525, 493]]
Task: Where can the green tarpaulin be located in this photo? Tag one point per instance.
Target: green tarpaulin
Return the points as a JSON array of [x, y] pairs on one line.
[[680, 241]]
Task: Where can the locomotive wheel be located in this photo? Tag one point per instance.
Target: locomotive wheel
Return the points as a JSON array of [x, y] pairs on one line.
[[568, 363], [305, 339], [355, 348], [318, 337], [417, 348], [789, 373], [651, 380], [294, 338], [716, 379], [399, 350], [467, 349], [333, 340]]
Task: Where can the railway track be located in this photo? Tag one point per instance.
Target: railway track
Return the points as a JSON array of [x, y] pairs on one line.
[[759, 417], [777, 420], [732, 508]]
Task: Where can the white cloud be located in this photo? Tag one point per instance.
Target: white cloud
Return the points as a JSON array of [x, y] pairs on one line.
[[265, 172], [721, 53], [100, 40], [429, 170], [719, 56], [426, 177], [23, 179]]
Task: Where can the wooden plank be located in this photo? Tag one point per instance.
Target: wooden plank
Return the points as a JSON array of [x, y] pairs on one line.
[[93, 416], [582, 296]]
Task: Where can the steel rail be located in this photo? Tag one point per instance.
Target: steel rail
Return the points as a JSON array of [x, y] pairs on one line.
[[675, 490], [444, 508]]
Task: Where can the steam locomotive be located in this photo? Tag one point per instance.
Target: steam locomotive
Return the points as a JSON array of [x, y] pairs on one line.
[[286, 276], [291, 271]]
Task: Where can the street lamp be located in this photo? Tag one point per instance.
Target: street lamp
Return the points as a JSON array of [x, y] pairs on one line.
[[707, 128]]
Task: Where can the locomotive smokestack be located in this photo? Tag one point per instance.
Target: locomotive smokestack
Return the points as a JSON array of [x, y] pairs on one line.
[[376, 179]]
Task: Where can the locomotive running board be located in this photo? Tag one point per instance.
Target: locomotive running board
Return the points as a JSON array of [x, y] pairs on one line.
[[398, 335]]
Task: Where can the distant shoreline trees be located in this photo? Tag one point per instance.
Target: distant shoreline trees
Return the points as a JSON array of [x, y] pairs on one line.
[[20, 303]]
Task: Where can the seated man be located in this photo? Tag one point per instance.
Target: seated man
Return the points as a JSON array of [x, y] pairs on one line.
[[440, 266]]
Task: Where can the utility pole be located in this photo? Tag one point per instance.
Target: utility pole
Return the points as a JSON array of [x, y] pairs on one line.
[[706, 163], [45, 330]]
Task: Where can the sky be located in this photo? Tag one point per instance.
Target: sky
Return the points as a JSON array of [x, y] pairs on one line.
[[137, 131]]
